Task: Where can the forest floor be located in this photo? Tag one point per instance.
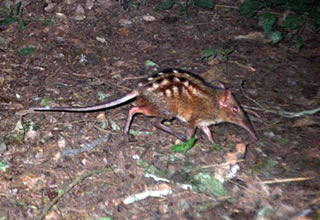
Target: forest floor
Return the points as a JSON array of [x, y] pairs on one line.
[[76, 165]]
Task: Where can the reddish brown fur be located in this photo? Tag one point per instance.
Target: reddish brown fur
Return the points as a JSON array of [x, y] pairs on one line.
[[178, 94], [183, 95]]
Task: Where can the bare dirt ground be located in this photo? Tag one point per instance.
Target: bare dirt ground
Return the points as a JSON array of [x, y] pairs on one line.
[[97, 50]]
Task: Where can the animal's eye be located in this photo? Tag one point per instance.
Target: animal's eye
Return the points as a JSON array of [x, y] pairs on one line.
[[235, 109]]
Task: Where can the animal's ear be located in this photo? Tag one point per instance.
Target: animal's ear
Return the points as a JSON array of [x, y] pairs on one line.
[[228, 94], [225, 98]]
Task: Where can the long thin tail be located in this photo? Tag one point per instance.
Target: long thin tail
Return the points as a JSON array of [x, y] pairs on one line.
[[116, 102]]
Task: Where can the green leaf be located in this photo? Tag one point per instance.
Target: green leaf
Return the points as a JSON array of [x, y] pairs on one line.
[[182, 8], [205, 181], [136, 133], [184, 147], [276, 37], [19, 127], [16, 10], [204, 3], [27, 51], [283, 141], [209, 53], [315, 15], [298, 42], [300, 6], [3, 166], [264, 167], [21, 24], [101, 96], [47, 22], [293, 22], [8, 20], [216, 147], [149, 63], [225, 54], [30, 125], [3, 12], [249, 8], [267, 21], [60, 191], [46, 102], [150, 168], [165, 5], [114, 126]]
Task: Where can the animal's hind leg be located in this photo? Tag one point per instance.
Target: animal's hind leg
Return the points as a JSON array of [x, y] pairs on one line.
[[207, 131], [157, 122], [134, 110]]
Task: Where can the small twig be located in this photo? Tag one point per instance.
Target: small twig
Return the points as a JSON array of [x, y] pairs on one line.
[[121, 87], [47, 209], [316, 200], [40, 68], [278, 112], [78, 75], [247, 67], [134, 77], [286, 113], [298, 114], [145, 151], [226, 6], [245, 95], [85, 146], [287, 180], [248, 110], [218, 165], [222, 164]]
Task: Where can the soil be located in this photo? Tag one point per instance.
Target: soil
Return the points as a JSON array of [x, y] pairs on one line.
[[87, 52]]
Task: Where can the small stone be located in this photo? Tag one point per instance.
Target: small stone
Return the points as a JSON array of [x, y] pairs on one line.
[[105, 3], [101, 117], [30, 135], [125, 22], [119, 63], [80, 13], [101, 39], [61, 16], [184, 205], [61, 143], [89, 4], [269, 134], [3, 147], [50, 7], [164, 208], [149, 18]]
